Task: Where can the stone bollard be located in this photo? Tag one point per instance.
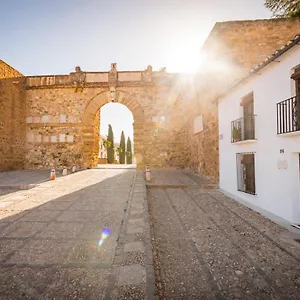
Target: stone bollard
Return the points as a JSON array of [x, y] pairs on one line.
[[148, 173], [73, 169], [65, 172], [52, 174]]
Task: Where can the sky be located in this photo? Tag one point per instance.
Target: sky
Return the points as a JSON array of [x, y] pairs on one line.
[[120, 117], [40, 37]]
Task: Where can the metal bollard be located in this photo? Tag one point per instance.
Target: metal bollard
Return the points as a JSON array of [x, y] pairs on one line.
[[73, 169], [148, 173], [52, 174]]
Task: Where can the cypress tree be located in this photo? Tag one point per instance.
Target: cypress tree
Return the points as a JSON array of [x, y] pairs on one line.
[[129, 152], [110, 148], [122, 146]]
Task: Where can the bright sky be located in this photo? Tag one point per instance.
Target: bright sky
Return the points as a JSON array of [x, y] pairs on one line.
[[52, 37], [120, 118]]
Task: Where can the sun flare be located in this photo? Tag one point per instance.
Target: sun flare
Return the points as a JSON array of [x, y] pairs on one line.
[[185, 58]]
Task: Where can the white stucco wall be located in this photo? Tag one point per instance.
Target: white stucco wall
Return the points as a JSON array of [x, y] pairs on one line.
[[278, 190]]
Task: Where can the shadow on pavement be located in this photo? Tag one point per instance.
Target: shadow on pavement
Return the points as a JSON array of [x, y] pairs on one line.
[[13, 181], [52, 249]]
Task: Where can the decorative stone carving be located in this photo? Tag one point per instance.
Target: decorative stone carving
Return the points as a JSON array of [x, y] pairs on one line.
[[62, 137], [62, 118], [113, 74], [113, 67], [29, 119], [113, 94], [147, 74], [77, 77]]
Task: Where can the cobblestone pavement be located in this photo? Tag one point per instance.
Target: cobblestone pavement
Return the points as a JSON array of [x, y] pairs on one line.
[[207, 246], [50, 234]]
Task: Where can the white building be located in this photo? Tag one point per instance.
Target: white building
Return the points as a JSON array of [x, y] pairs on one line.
[[259, 136], [102, 148]]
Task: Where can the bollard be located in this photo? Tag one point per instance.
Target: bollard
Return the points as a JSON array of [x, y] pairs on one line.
[[65, 172], [73, 169], [52, 174], [148, 173]]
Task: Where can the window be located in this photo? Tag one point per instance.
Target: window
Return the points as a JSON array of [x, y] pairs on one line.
[[248, 114], [246, 172], [243, 129]]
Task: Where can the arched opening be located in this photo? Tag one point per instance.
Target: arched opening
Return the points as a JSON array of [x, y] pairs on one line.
[[116, 143], [91, 128]]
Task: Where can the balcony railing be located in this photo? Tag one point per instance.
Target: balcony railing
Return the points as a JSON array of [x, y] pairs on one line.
[[243, 129], [288, 115]]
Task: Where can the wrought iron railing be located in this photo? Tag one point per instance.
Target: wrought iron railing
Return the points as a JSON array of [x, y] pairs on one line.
[[243, 129], [288, 115]]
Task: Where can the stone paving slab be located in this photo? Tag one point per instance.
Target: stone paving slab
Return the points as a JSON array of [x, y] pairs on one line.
[[131, 275], [207, 246], [134, 247], [172, 178], [50, 238], [24, 179]]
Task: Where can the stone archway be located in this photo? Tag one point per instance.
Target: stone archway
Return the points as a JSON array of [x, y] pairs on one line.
[[91, 118], [63, 117]]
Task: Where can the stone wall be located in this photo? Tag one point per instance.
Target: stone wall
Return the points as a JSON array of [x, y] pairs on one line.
[[6, 71], [54, 127], [248, 43], [63, 122], [231, 50], [12, 123], [96, 138]]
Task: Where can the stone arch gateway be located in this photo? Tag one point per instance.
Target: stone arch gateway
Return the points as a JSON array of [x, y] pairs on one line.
[[91, 117], [63, 115]]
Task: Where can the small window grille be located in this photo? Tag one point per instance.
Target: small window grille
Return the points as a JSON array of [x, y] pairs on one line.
[[246, 173]]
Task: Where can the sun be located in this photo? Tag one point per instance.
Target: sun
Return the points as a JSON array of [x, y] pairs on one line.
[[185, 58]]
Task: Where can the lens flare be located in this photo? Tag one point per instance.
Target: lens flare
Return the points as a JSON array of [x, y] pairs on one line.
[[104, 235]]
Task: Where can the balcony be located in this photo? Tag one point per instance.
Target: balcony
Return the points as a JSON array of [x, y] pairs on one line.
[[288, 115], [243, 129]]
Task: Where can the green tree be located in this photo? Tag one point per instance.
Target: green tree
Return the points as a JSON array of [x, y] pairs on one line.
[[122, 146], [284, 8], [119, 150], [106, 143], [110, 146], [129, 152]]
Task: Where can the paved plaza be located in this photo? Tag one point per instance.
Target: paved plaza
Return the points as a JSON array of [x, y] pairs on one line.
[[50, 238], [99, 234], [208, 246]]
